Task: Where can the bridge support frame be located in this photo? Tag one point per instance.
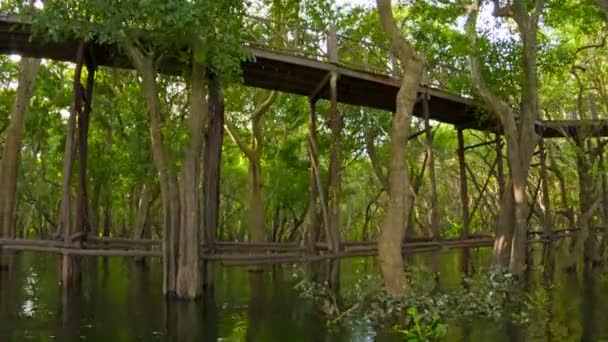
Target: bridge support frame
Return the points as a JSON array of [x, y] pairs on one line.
[[81, 107], [464, 195]]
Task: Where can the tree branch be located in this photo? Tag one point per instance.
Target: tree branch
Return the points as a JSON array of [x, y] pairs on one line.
[[268, 101], [237, 139], [497, 105], [256, 117], [502, 11], [401, 46]]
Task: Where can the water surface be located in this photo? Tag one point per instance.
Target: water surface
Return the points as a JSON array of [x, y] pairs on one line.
[[120, 301]]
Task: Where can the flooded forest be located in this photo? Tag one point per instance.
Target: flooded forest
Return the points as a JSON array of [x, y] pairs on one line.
[[303, 170]]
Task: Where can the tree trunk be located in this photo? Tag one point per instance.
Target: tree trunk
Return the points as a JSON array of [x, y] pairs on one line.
[[586, 194], [504, 229], [211, 173], [168, 183], [389, 241], [9, 165], [546, 200], [189, 272]]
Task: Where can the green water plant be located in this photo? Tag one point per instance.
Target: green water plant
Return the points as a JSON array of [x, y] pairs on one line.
[[416, 328], [422, 315]]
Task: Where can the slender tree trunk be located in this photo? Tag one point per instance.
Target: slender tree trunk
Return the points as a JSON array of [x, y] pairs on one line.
[[82, 202], [546, 200], [409, 229], [586, 201], [389, 241], [107, 217], [9, 165], [256, 204], [69, 272], [432, 178], [95, 212], [141, 218]]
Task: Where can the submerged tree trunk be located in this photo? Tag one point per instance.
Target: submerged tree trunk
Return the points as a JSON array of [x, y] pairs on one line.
[[389, 241], [168, 183], [9, 165], [211, 173], [189, 285], [181, 209], [520, 134]]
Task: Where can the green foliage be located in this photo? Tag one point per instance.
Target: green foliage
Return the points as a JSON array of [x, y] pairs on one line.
[[159, 27], [416, 330]]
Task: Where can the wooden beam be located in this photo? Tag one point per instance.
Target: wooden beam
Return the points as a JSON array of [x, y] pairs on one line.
[[316, 93], [464, 196]]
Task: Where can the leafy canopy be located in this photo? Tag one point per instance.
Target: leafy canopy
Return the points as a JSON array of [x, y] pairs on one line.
[[157, 27]]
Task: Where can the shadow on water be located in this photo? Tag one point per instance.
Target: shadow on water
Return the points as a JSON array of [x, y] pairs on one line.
[[120, 300]]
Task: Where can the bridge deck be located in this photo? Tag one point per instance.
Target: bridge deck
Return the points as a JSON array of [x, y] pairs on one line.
[[292, 74]]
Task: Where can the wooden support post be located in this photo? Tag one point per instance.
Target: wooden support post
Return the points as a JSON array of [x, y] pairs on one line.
[[429, 151], [604, 186], [548, 219], [464, 196], [211, 172], [84, 116], [500, 171], [313, 206]]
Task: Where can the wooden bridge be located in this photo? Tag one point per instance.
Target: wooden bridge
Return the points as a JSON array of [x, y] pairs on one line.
[[299, 62]]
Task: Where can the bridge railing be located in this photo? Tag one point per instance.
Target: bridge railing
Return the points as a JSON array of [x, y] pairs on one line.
[[276, 36], [318, 44], [366, 55]]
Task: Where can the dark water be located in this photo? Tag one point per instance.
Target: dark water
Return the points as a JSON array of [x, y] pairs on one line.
[[119, 301]]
